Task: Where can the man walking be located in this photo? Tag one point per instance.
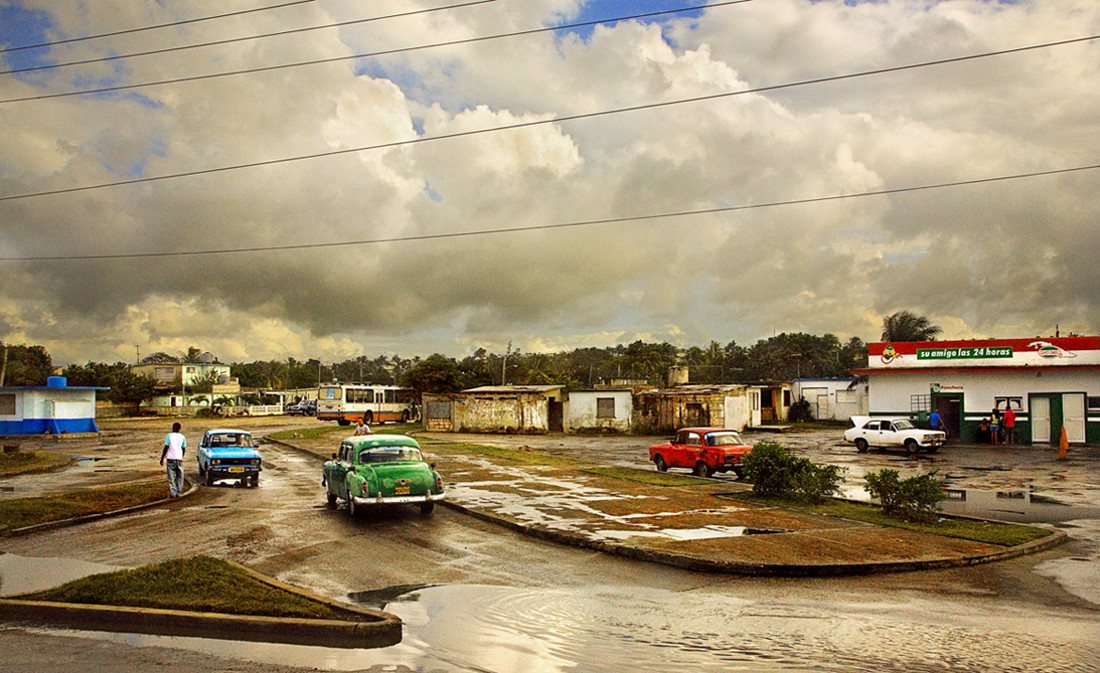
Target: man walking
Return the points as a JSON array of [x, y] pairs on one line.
[[174, 446]]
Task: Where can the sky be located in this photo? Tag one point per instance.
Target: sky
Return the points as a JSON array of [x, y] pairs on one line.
[[672, 179]]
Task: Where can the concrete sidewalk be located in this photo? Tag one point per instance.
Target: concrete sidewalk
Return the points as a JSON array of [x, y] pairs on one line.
[[690, 523]]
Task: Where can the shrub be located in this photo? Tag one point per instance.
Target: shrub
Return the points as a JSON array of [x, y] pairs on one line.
[[775, 473], [913, 499]]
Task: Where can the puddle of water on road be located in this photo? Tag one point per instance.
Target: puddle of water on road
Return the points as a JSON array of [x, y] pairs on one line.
[[684, 534], [468, 628], [22, 574], [1016, 505]]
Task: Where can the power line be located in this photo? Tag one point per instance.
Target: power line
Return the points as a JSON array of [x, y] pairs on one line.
[[387, 52], [556, 226], [170, 24], [557, 120], [166, 50]]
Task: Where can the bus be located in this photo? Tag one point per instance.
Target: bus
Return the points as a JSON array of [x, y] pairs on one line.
[[348, 404]]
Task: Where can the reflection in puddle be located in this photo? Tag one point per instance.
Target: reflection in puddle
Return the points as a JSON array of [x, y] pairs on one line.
[[1016, 505], [468, 628], [704, 533], [21, 574]]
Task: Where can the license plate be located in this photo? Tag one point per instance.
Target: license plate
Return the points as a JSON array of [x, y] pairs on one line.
[[235, 470], [400, 490]]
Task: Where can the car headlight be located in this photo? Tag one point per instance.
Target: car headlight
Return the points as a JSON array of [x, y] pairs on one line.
[[255, 461], [215, 462]]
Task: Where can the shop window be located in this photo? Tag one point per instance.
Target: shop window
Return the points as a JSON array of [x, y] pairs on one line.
[[1001, 403], [605, 407]]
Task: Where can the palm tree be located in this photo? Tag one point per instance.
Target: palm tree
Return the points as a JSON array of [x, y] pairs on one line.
[[907, 326]]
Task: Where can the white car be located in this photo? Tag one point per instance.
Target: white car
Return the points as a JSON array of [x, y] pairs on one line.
[[892, 432]]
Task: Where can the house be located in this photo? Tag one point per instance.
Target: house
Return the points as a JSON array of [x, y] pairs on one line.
[[1051, 384], [836, 399], [724, 405], [53, 409], [497, 409], [170, 375], [603, 410]]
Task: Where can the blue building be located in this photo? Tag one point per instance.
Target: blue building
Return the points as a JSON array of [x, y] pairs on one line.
[[53, 409]]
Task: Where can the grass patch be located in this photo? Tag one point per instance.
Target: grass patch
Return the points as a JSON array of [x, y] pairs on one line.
[[25, 462], [651, 477], [31, 511], [200, 584], [989, 532], [318, 432]]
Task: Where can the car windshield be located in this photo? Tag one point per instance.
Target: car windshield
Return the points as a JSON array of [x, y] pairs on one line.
[[230, 440], [390, 454], [903, 425], [723, 438]]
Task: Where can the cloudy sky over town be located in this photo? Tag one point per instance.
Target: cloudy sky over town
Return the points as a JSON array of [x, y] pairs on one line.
[[448, 176]]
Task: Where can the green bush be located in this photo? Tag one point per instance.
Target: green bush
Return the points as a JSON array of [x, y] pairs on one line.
[[913, 499], [775, 473]]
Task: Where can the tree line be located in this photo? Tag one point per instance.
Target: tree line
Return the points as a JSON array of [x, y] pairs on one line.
[[782, 357]]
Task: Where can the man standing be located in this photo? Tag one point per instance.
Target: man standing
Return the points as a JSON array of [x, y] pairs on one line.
[[174, 446], [1009, 423], [937, 423]]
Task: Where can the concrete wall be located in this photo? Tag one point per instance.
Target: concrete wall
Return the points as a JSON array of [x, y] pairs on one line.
[[581, 411]]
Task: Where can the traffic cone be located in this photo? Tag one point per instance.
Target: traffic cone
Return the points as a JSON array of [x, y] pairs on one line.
[[1063, 445]]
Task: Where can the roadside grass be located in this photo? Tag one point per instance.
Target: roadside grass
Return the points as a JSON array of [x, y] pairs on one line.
[[515, 455], [26, 462], [22, 512], [990, 532], [333, 430], [199, 583]]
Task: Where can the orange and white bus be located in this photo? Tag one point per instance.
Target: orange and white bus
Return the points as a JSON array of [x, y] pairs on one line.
[[348, 404]]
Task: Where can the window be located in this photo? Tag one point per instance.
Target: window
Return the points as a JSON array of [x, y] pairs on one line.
[[7, 404], [693, 439], [845, 396], [605, 407], [786, 398], [438, 409], [1001, 403], [1094, 403]]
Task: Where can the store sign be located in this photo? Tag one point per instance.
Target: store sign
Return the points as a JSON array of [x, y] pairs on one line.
[[971, 353]]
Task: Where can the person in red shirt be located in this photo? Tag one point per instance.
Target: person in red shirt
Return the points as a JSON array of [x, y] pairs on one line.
[[1009, 423]]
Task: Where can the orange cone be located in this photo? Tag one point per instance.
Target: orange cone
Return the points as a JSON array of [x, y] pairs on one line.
[[1063, 445]]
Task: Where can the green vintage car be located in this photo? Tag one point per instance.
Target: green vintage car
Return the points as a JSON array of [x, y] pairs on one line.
[[381, 470]]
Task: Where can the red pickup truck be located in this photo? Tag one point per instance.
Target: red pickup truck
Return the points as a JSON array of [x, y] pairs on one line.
[[703, 450]]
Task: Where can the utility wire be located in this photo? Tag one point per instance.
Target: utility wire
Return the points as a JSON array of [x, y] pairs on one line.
[[560, 225], [129, 31], [387, 52], [556, 120], [166, 50]]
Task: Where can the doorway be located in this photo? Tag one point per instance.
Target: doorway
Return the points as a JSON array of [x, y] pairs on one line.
[[949, 408]]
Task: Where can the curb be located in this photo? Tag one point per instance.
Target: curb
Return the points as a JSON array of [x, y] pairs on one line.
[[63, 523], [369, 628]]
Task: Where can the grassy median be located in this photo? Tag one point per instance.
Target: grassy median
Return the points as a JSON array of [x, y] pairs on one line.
[[975, 530], [198, 584], [28, 462], [22, 512]]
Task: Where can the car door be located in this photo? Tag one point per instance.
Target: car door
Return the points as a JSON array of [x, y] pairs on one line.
[[891, 436], [693, 449], [338, 471], [872, 433]]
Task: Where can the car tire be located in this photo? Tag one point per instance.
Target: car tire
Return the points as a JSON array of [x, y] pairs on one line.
[[911, 446], [659, 461], [739, 471], [331, 497], [702, 469], [254, 481], [209, 478], [426, 507], [861, 445]]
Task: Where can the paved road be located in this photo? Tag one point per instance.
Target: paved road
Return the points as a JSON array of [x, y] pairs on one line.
[[483, 598]]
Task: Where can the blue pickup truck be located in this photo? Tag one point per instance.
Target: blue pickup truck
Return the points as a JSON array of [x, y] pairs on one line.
[[229, 454]]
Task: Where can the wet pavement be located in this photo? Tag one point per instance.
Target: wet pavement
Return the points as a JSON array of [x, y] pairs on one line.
[[477, 597]]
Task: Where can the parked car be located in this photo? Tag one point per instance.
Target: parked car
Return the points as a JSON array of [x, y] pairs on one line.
[[703, 450], [892, 433], [229, 454], [371, 470], [302, 408]]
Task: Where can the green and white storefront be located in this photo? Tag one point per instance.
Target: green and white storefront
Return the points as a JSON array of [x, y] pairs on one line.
[[1052, 383]]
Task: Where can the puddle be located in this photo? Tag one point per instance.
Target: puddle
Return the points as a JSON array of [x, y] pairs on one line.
[[684, 534], [22, 574], [1016, 505]]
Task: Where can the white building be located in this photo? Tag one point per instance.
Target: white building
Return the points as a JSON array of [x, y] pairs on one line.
[[53, 409], [599, 410], [1051, 383], [832, 399]]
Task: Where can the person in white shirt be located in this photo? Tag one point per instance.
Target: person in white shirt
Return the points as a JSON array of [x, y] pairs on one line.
[[175, 444]]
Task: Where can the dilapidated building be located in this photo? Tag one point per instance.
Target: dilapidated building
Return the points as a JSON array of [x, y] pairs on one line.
[[497, 409], [599, 411]]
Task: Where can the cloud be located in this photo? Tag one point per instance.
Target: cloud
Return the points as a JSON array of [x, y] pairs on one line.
[[999, 259]]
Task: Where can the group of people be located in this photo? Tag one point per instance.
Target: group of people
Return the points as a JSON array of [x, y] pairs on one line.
[[997, 428]]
